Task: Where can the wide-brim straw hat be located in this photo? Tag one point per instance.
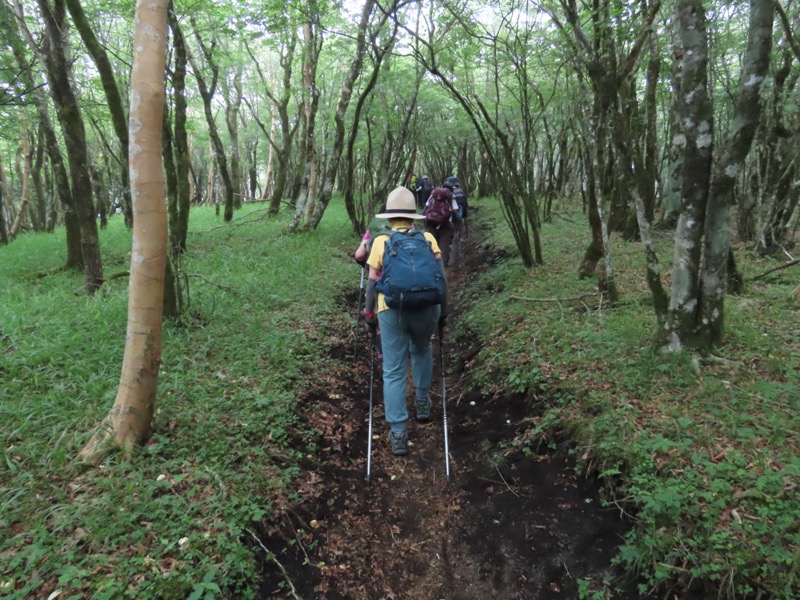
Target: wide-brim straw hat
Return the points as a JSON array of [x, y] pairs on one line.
[[400, 205]]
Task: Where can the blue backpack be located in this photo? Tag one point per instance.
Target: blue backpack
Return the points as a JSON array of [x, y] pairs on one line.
[[410, 278]]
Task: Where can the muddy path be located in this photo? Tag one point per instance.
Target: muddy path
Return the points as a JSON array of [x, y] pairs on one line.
[[506, 525]]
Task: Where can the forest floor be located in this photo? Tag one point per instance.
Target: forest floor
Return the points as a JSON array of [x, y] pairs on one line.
[[506, 525]]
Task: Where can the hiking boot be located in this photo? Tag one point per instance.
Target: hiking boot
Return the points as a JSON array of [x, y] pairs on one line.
[[422, 406], [399, 442]]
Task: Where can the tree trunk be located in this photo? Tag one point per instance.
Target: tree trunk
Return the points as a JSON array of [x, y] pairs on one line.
[[607, 73], [69, 115], [673, 182], [359, 213], [170, 304], [99, 196], [627, 163], [270, 157], [211, 178], [746, 115], [281, 104], [252, 170], [650, 171], [40, 221], [113, 97], [697, 136], [594, 251], [130, 420], [74, 251], [3, 230], [4, 182], [346, 92], [207, 93], [232, 106], [195, 186], [26, 177], [55, 216], [774, 174], [179, 226], [312, 49]]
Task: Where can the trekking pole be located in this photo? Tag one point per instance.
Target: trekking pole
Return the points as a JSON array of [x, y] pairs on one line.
[[371, 387], [444, 404], [358, 314]]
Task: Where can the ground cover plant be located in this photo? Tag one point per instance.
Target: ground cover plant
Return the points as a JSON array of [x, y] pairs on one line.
[[172, 522], [701, 451]]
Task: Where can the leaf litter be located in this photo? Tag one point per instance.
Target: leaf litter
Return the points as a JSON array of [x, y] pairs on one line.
[[507, 525]]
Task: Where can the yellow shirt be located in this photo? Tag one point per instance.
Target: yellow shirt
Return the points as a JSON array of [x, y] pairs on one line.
[[375, 259]]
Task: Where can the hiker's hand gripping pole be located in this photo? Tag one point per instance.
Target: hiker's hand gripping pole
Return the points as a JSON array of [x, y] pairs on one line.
[[444, 401]]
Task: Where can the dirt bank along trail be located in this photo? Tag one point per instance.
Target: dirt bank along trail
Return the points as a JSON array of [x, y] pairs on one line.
[[504, 526]]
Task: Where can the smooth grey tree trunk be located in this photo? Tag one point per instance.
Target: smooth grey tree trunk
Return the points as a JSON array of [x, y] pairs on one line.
[[673, 182], [746, 117], [308, 156], [697, 138]]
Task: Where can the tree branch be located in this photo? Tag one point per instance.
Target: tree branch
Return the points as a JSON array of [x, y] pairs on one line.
[[787, 28], [786, 265], [568, 299]]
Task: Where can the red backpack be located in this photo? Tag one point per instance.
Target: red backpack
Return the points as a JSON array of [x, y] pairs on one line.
[[438, 213]]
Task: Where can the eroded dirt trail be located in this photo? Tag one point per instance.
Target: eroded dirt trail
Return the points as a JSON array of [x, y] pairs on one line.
[[505, 526]]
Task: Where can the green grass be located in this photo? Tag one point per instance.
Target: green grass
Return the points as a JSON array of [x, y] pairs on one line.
[[173, 521], [705, 454]]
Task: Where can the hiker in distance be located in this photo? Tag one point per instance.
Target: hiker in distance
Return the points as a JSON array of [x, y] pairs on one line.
[[422, 190], [459, 220], [407, 297], [439, 210]]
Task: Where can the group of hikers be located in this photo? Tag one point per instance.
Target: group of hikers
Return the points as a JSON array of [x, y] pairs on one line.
[[406, 292], [446, 225]]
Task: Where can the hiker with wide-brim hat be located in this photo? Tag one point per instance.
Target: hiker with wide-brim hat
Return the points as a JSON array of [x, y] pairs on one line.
[[407, 311]]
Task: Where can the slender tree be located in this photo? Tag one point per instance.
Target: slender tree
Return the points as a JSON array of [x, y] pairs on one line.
[[130, 420], [207, 93], [179, 213], [25, 148], [3, 228], [74, 259], [360, 213], [280, 105], [112, 94], [345, 94], [53, 55], [233, 103], [702, 237], [312, 47], [746, 115]]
